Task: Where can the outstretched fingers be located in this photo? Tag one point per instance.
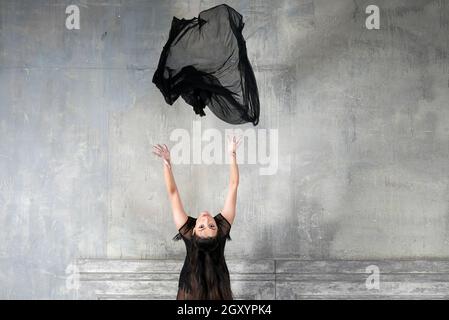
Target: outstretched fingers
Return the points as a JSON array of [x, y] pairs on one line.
[[233, 138], [157, 150], [238, 141]]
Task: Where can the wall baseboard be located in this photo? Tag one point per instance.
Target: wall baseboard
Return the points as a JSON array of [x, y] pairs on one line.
[[270, 279]]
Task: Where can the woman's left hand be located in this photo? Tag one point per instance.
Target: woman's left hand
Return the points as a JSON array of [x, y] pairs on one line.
[[233, 144]]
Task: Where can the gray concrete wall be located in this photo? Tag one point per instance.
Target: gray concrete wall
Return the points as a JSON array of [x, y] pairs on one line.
[[362, 117]]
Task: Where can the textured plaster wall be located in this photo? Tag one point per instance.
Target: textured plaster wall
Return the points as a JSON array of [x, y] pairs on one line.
[[362, 117]]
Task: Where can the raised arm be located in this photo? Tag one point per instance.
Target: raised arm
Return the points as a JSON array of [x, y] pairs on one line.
[[231, 198], [179, 215]]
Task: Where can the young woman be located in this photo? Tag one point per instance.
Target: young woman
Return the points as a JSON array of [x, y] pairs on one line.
[[204, 275]]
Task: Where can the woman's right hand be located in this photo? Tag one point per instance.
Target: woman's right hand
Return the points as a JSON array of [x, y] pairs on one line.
[[162, 152]]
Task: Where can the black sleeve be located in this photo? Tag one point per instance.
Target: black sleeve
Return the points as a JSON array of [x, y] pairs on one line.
[[185, 232], [224, 227]]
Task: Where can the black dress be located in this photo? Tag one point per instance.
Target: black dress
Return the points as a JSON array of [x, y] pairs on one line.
[[185, 233], [205, 62]]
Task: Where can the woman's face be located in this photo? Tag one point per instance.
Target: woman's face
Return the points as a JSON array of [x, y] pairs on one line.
[[205, 226]]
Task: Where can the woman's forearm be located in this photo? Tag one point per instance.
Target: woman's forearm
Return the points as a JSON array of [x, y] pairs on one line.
[[231, 199], [179, 215], [234, 171], [169, 179]]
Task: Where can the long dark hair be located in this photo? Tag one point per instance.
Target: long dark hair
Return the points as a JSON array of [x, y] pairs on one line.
[[209, 276]]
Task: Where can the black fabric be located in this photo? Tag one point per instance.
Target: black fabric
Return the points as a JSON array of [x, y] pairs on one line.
[[185, 233], [205, 62]]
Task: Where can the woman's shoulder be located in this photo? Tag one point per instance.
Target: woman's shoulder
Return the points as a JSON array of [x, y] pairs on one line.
[[220, 218], [190, 222], [223, 225], [186, 228]]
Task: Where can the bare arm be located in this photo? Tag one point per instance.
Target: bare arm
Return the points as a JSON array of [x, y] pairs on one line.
[[179, 215], [231, 198]]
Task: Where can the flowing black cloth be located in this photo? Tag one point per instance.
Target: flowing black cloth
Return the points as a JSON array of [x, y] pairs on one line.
[[205, 62]]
